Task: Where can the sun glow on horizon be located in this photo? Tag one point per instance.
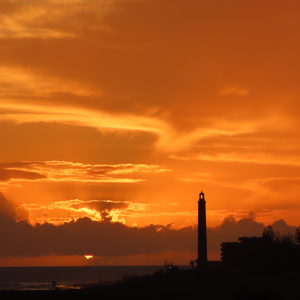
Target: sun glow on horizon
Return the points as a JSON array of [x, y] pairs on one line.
[[89, 256]]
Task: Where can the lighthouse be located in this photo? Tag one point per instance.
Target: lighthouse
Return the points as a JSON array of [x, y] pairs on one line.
[[202, 240]]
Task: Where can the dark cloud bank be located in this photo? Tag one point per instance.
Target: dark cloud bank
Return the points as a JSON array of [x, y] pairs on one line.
[[106, 238]]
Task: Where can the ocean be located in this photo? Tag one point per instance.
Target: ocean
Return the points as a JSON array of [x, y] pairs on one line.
[[43, 278]]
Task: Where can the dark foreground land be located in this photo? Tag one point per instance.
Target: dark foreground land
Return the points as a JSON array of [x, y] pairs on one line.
[[180, 284]]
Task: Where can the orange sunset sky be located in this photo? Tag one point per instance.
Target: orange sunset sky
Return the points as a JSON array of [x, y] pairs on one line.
[[115, 114]]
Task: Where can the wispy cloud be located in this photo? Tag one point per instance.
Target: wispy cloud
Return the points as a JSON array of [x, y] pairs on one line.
[[234, 90], [7, 174], [169, 139], [68, 171], [24, 113], [249, 157], [47, 19], [19, 83]]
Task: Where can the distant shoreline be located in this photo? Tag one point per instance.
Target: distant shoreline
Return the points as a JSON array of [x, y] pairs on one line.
[[182, 284], [41, 278]]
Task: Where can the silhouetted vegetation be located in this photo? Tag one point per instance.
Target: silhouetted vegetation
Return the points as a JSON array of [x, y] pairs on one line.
[[170, 268], [282, 251], [272, 253]]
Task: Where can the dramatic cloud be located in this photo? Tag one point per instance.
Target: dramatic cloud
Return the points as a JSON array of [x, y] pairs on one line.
[[114, 239], [6, 207], [104, 210], [86, 236]]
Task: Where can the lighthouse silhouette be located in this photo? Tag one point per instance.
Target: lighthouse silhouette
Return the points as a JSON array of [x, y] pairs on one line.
[[202, 240]]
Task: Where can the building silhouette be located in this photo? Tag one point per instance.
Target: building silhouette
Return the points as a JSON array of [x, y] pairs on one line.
[[202, 239], [245, 254]]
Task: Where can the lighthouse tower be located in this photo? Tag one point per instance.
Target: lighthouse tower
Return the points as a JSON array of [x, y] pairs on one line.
[[202, 240]]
